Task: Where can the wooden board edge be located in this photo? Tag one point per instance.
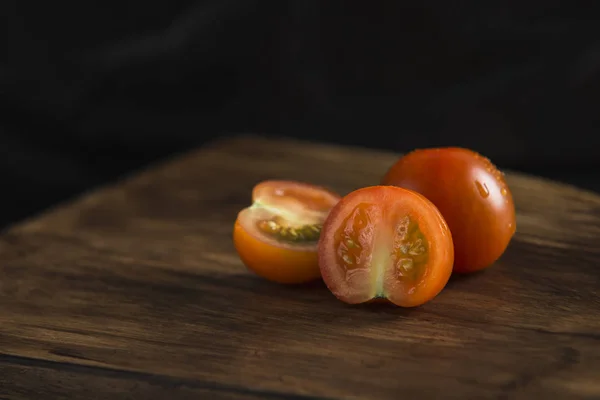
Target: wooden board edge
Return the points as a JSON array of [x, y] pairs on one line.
[[123, 180], [241, 139], [326, 146]]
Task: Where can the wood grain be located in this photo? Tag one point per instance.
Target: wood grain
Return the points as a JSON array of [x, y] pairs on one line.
[[135, 291]]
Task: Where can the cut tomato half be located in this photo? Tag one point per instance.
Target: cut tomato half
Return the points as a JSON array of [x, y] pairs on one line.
[[385, 242], [276, 237]]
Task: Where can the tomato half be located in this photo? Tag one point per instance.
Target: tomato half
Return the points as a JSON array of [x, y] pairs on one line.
[[471, 194], [384, 242], [276, 237]]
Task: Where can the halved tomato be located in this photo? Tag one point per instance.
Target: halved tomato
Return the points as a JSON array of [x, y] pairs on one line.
[[385, 242], [276, 237]]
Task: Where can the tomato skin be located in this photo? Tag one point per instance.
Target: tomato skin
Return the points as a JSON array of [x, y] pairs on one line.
[[280, 261], [471, 194], [379, 281], [273, 263]]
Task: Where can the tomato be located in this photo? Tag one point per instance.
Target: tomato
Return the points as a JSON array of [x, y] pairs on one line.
[[471, 194], [276, 237], [385, 242]]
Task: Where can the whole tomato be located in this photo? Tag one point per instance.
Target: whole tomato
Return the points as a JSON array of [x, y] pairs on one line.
[[472, 196]]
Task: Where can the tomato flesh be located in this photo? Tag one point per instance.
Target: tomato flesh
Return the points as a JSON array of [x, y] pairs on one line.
[[276, 237], [471, 194], [384, 242]]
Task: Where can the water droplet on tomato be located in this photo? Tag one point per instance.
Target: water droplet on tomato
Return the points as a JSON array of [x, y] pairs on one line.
[[503, 191], [482, 188]]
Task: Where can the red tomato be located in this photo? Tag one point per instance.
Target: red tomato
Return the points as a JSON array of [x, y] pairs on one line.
[[384, 242], [277, 236], [470, 193]]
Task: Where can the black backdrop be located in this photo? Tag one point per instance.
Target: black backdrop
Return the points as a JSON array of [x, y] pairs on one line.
[[92, 89]]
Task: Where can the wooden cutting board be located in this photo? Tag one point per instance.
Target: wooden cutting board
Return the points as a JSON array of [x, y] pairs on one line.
[[135, 291]]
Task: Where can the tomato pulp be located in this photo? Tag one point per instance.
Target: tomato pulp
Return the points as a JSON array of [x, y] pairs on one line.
[[385, 242], [471, 194], [276, 237]]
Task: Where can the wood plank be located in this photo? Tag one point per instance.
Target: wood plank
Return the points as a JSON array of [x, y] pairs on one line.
[[24, 379], [142, 277]]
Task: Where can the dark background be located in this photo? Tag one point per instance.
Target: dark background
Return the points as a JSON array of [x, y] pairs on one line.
[[91, 90]]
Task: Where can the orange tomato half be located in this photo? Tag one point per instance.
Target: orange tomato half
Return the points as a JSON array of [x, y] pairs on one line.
[[276, 237]]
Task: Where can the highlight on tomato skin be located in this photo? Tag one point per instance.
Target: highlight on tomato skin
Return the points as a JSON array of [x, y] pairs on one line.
[[276, 237], [385, 242], [472, 195]]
